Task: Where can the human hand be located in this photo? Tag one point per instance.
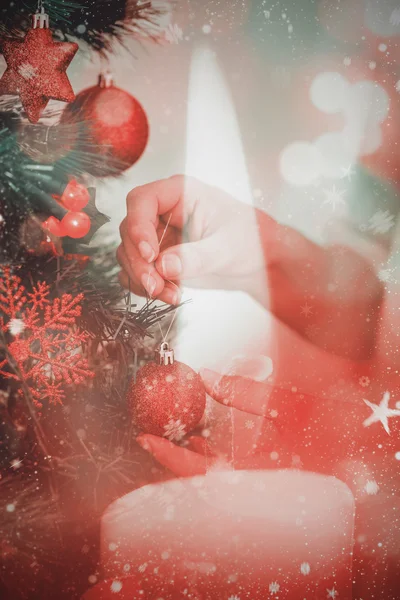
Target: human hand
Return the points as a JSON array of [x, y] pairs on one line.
[[285, 412], [180, 229]]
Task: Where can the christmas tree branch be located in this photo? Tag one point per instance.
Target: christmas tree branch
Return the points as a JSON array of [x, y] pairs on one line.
[[40, 435]]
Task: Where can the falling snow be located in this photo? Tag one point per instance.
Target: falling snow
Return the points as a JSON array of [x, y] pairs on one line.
[[306, 310], [364, 381], [333, 197], [381, 222], [305, 568], [371, 487], [16, 326], [116, 587], [173, 34], [395, 17], [274, 587], [381, 412], [387, 275]]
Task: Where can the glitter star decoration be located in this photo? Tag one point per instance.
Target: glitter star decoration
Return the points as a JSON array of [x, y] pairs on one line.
[[381, 412], [36, 70]]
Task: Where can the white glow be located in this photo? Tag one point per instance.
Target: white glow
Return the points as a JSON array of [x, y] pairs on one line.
[[217, 324], [336, 152], [364, 106], [368, 102], [214, 148], [300, 163], [328, 92]]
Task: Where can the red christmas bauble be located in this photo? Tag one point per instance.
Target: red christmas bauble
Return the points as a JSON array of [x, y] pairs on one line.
[[75, 224], [75, 196], [167, 400], [114, 128]]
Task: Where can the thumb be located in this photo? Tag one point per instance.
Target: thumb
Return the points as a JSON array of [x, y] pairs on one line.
[[180, 461], [191, 260]]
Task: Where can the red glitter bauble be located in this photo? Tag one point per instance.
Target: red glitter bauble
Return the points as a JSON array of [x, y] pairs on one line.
[[75, 224], [114, 128], [167, 400], [75, 196], [36, 70]]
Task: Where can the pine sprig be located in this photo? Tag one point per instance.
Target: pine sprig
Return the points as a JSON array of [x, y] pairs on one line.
[[29, 524], [30, 176], [98, 23]]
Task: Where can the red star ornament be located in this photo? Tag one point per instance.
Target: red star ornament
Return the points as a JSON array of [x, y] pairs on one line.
[[36, 71]]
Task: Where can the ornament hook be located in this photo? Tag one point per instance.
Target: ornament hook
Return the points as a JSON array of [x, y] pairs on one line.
[[106, 79], [165, 355], [40, 19]]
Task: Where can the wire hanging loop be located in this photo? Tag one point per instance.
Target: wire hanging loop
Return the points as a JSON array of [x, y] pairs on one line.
[[40, 19]]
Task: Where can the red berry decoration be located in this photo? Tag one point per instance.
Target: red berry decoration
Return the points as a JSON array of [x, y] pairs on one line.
[[76, 224], [75, 196], [168, 398], [114, 127], [53, 226], [36, 68]]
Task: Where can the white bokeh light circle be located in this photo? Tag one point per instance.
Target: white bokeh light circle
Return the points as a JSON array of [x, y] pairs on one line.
[[336, 154], [300, 163], [328, 92], [372, 141], [368, 102]]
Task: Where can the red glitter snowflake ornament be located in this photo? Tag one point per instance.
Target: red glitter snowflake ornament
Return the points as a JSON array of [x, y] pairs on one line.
[[36, 68], [46, 351]]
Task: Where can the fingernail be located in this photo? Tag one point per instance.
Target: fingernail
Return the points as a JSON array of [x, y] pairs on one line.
[[149, 283], [173, 296], [210, 378], [147, 252], [144, 443], [171, 265]]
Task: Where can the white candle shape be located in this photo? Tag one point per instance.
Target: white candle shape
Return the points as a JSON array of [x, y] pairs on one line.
[[234, 535]]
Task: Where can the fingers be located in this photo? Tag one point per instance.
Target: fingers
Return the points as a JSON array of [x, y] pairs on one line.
[[182, 462], [200, 445], [259, 398], [171, 294], [191, 260], [147, 202], [240, 392], [141, 274], [143, 278]]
